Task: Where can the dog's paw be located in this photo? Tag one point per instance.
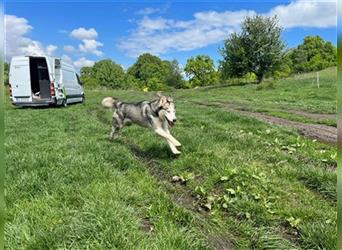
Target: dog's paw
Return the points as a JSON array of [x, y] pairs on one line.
[[178, 144], [176, 152], [113, 137]]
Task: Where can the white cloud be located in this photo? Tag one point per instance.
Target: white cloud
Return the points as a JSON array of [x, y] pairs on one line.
[[147, 11], [318, 14], [90, 46], [89, 43], [69, 48], [16, 40], [159, 35], [82, 33], [83, 62], [51, 49], [66, 58]]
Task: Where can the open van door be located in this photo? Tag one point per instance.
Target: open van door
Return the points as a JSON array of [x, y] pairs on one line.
[[19, 79]]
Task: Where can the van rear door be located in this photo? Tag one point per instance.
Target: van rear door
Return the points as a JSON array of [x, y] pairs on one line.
[[19, 78]]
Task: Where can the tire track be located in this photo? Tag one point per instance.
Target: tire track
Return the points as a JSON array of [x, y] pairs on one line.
[[323, 133]]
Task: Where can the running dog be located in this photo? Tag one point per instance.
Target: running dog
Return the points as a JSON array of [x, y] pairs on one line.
[[158, 115]]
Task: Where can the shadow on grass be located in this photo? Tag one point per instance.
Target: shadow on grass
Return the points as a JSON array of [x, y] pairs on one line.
[[154, 152]]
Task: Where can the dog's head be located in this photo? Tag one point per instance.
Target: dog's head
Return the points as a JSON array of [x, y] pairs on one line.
[[167, 109]]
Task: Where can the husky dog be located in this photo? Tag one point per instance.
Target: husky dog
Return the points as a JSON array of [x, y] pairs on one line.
[[159, 115]]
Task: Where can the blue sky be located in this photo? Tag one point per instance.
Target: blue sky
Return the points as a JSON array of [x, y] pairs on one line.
[[85, 32]]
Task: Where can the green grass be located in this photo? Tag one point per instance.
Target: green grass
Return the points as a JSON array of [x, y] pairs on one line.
[[295, 93], [69, 187]]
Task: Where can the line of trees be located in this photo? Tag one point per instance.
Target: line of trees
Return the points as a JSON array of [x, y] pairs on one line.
[[148, 72], [254, 53]]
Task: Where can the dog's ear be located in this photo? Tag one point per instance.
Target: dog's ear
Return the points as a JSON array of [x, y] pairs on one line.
[[161, 115], [159, 94], [162, 101]]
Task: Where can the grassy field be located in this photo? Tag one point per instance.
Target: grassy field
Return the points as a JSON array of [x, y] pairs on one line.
[[299, 93], [248, 184]]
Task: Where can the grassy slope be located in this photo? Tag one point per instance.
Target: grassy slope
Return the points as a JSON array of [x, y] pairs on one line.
[[295, 93], [69, 186]]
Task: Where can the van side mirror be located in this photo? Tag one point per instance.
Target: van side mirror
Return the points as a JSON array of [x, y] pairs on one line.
[[81, 83]]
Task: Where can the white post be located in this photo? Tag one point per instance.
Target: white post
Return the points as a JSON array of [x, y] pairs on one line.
[[317, 79]]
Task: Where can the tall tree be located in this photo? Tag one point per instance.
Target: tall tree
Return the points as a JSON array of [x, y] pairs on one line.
[[201, 71], [257, 49]]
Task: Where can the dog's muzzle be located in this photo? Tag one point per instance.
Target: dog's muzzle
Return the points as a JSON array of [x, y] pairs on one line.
[[171, 123]]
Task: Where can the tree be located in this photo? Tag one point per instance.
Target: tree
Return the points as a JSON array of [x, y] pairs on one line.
[[87, 76], [109, 73], [149, 70], [105, 73], [313, 54], [234, 63], [285, 69], [257, 49], [6, 73], [156, 74], [201, 71], [174, 76]]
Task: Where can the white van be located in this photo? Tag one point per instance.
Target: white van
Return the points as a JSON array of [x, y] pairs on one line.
[[42, 80]]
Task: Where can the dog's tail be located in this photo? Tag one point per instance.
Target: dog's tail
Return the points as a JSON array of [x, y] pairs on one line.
[[110, 102]]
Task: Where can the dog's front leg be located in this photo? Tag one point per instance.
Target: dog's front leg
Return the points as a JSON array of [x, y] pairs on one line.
[[165, 135], [168, 136], [166, 129], [177, 144], [173, 148]]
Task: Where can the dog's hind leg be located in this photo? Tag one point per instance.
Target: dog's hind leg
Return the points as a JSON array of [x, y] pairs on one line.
[[116, 126]]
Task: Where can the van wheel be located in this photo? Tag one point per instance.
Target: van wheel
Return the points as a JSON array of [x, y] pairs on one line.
[[64, 103], [83, 99]]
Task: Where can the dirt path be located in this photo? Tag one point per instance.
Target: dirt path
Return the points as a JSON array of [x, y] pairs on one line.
[[313, 115], [323, 133]]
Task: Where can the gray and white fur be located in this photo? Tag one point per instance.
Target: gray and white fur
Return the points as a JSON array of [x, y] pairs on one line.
[[158, 115]]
